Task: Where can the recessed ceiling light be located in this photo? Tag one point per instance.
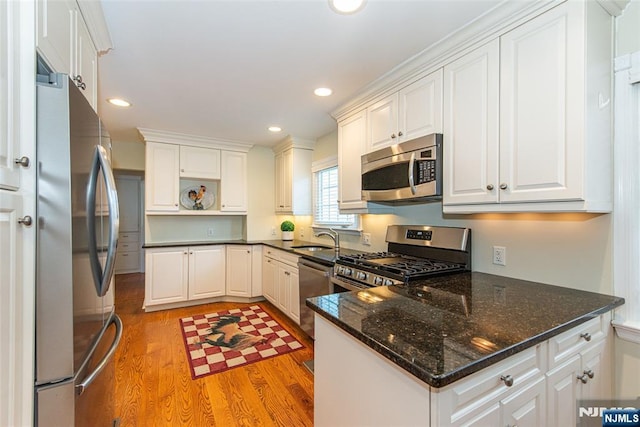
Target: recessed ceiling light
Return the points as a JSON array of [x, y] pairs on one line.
[[346, 7], [323, 91], [275, 128], [119, 102]]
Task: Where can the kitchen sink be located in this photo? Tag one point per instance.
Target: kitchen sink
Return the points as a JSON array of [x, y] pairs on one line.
[[311, 247]]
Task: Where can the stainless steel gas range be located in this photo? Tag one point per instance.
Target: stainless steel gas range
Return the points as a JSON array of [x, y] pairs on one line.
[[414, 252]]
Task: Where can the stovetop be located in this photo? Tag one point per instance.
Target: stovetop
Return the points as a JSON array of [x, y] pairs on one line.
[[398, 264], [414, 252]]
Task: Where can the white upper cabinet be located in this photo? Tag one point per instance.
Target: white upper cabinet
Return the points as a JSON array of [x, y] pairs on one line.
[[414, 111], [64, 42], [233, 182], [162, 178], [471, 127], [198, 162], [552, 150], [420, 109], [11, 74], [351, 146], [293, 176], [178, 164], [382, 123]]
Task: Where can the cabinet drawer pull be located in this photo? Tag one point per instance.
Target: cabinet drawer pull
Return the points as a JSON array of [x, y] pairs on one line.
[[586, 336], [508, 380]]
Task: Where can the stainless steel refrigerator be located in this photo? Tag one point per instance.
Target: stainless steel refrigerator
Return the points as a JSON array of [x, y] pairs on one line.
[[77, 330]]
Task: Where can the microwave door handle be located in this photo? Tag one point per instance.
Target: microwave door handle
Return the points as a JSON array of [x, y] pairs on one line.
[[410, 172]]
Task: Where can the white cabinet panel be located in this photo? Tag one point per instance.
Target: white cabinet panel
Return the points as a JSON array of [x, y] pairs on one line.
[[54, 35], [162, 177], [239, 270], [198, 162], [382, 123], [85, 68], [471, 127], [166, 276], [420, 107], [9, 95], [233, 181], [351, 146], [206, 271]]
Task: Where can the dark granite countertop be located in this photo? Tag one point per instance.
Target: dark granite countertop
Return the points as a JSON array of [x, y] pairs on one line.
[[445, 328], [324, 256]]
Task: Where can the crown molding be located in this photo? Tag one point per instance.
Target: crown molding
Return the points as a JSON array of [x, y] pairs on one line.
[[614, 7], [294, 142], [153, 135], [502, 18], [94, 18]]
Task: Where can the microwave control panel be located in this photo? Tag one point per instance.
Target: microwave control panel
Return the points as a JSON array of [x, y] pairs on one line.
[[426, 171]]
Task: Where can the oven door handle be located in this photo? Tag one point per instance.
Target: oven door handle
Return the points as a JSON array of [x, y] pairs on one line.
[[412, 161], [349, 285]]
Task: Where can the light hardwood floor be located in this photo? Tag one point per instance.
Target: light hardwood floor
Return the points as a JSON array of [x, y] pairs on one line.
[[154, 385]]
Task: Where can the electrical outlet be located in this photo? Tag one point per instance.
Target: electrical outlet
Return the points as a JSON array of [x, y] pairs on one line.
[[301, 233], [366, 239], [273, 231], [500, 255], [499, 295], [210, 232]]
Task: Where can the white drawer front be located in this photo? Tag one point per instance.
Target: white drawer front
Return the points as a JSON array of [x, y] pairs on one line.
[[565, 345], [128, 237], [127, 261], [487, 385]]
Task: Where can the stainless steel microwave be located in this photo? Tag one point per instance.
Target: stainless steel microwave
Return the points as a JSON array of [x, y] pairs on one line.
[[407, 172]]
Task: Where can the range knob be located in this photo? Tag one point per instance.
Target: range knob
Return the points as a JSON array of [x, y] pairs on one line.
[[346, 271], [361, 276], [377, 280], [388, 282]]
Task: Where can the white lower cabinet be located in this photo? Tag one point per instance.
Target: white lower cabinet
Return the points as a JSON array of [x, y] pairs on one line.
[[239, 277], [176, 275], [539, 386], [281, 282]]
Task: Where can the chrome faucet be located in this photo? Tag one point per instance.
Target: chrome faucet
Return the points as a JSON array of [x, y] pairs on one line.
[[334, 235]]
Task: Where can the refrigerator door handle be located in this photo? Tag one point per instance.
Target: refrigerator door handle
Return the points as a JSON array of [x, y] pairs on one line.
[[86, 382], [102, 279]]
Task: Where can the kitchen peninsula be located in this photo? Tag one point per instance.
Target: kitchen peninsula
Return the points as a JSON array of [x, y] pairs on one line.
[[465, 349]]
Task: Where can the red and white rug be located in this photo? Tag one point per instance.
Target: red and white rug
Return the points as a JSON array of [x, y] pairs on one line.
[[227, 339]]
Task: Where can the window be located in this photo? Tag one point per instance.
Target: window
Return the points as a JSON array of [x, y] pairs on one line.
[[325, 198]]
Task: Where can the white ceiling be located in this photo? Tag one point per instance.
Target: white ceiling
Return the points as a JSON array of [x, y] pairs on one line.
[[230, 68]]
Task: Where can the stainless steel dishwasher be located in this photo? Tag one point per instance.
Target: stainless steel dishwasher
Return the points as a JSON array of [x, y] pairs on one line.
[[314, 281]]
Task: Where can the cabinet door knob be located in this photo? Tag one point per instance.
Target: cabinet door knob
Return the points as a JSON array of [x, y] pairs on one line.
[[586, 336], [78, 79], [508, 380], [489, 187], [589, 373], [23, 161], [583, 378], [393, 136], [400, 133], [503, 186], [26, 221], [185, 252]]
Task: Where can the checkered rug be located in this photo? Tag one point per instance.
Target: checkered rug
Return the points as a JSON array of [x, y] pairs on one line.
[[227, 339]]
